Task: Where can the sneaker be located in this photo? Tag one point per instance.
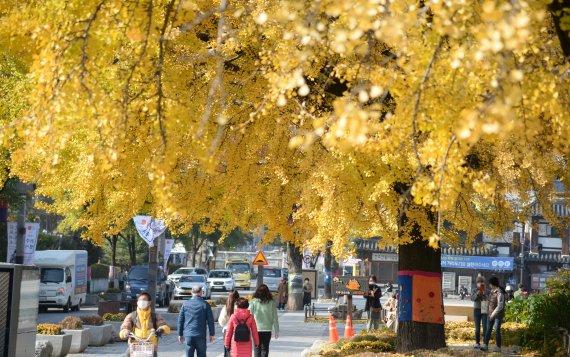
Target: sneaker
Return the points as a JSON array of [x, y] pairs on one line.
[[476, 345], [497, 349], [484, 348]]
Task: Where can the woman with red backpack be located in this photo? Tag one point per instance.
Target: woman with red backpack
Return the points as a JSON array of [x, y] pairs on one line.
[[241, 329]]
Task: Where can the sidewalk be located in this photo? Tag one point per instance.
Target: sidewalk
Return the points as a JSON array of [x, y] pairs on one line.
[[295, 336]]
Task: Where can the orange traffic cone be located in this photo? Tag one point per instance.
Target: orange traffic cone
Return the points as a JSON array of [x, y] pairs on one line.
[[348, 328], [333, 333]]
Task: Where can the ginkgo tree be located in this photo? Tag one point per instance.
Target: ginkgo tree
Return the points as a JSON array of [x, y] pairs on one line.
[[321, 120]]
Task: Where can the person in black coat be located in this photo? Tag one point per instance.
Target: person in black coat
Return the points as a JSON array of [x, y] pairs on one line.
[[373, 305]]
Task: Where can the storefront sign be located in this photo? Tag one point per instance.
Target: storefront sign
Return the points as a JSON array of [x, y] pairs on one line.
[[384, 257], [476, 262]]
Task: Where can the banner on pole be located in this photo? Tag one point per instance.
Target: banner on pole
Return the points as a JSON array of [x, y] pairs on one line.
[[168, 244], [30, 242], [149, 228]]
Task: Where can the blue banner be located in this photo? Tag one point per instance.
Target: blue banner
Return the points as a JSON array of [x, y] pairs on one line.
[[476, 262]]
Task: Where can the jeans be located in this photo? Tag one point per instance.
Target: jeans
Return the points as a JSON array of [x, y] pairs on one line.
[[263, 349], [281, 306], [480, 320], [496, 324], [196, 343], [373, 321]]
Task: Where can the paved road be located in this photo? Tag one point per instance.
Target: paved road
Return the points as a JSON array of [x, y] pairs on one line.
[[295, 336]]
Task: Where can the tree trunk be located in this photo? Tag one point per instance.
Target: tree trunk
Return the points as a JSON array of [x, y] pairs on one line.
[[419, 257], [114, 250], [328, 271], [295, 263]]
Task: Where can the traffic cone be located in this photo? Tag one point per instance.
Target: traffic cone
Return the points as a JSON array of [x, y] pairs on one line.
[[348, 328], [333, 333]]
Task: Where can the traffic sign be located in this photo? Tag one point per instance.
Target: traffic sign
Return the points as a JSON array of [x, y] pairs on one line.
[[260, 259], [307, 259]]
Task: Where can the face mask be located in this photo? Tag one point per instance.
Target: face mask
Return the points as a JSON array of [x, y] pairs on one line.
[[371, 283], [143, 304]]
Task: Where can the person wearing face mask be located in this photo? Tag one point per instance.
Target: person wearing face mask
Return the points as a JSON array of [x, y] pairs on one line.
[[373, 305], [142, 321], [480, 309]]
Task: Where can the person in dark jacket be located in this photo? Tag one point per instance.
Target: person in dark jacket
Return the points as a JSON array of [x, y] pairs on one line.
[[496, 313], [195, 315], [373, 305]]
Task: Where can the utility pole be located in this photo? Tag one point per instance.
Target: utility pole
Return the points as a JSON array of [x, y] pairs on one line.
[[152, 267], [523, 238]]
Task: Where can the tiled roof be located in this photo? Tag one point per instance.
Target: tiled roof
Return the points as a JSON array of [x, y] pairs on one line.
[[372, 245], [548, 257]]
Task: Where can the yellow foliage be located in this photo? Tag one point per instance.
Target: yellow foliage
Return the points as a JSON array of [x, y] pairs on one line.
[[320, 120]]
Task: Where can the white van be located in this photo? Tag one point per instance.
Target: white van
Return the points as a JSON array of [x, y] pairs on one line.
[[63, 278]]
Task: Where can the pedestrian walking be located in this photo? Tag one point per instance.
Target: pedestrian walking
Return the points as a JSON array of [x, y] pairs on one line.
[[226, 314], [391, 308], [389, 287], [282, 293], [480, 309], [263, 309], [307, 290], [194, 316], [373, 305], [141, 322], [496, 313], [241, 329]]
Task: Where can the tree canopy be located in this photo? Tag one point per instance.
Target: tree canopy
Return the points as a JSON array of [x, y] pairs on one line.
[[322, 120]]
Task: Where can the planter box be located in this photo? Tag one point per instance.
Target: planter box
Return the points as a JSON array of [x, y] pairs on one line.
[[91, 299], [171, 319], [60, 343], [43, 349], [116, 328], [99, 335], [216, 312], [112, 296], [79, 341]]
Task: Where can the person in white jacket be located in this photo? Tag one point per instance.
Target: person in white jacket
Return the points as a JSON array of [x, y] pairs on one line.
[[227, 312]]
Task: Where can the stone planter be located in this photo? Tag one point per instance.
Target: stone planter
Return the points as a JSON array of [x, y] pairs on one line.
[[43, 349], [60, 344], [99, 335], [91, 299], [79, 341], [112, 296], [116, 328], [171, 319], [216, 312]]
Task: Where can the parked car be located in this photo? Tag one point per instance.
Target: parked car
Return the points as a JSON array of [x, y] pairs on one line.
[[184, 286], [272, 277], [137, 282], [221, 279], [174, 277]]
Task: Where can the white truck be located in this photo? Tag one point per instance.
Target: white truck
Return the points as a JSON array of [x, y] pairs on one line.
[[63, 278]]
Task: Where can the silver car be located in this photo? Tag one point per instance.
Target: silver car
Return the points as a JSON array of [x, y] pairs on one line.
[[272, 277], [174, 277], [187, 282]]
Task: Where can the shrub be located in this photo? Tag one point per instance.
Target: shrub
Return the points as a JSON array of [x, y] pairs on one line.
[[212, 303], [49, 329], [174, 308], [114, 317], [99, 271], [93, 320], [369, 346], [71, 323]]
